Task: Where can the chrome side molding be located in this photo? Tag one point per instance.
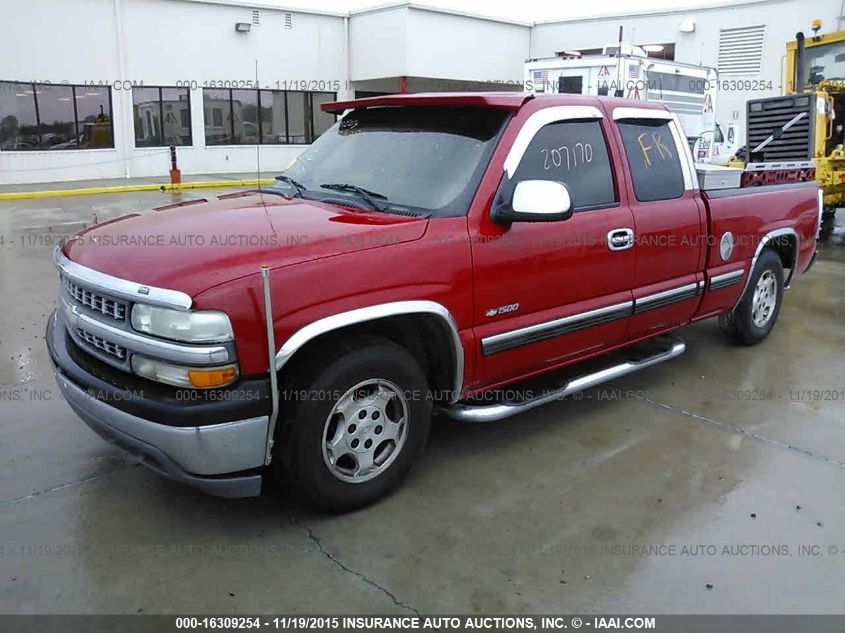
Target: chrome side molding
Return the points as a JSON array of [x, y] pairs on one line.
[[726, 279], [666, 297], [509, 339], [498, 411], [549, 329]]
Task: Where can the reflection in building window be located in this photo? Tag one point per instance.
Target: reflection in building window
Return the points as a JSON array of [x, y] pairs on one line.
[[162, 116], [51, 116], [217, 106], [267, 117]]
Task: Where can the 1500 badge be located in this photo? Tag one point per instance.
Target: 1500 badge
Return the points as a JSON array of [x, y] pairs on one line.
[[511, 307]]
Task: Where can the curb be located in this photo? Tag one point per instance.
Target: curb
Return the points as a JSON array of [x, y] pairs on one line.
[[58, 193]]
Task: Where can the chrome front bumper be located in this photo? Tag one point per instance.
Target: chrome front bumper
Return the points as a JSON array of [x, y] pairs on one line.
[[210, 457], [179, 453]]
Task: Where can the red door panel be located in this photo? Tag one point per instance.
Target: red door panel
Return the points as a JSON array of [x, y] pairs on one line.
[[550, 272], [547, 293], [670, 222], [670, 250]]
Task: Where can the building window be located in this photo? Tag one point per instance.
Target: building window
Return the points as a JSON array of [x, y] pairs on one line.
[[162, 116], [18, 119], [52, 116], [297, 117], [245, 109], [266, 117], [321, 121], [273, 117]]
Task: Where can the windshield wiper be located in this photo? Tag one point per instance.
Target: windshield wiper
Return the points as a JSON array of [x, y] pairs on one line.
[[290, 181], [366, 194]]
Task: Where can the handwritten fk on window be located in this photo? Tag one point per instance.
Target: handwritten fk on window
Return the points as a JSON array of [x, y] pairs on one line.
[[657, 149]]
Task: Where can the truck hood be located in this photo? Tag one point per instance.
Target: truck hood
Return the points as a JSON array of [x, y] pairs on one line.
[[196, 245]]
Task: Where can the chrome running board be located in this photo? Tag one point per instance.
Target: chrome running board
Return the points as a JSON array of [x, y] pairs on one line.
[[467, 412]]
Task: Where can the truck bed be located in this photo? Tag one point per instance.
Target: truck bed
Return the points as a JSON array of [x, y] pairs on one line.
[[753, 216]]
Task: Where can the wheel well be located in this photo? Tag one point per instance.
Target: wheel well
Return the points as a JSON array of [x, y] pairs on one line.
[[426, 337], [785, 247]]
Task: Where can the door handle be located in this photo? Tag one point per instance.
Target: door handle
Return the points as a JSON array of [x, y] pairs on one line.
[[620, 239]]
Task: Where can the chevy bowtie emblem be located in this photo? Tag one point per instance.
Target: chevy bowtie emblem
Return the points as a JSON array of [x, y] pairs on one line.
[[143, 290]]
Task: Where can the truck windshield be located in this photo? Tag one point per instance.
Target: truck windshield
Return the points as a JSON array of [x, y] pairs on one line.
[[826, 61], [416, 158]]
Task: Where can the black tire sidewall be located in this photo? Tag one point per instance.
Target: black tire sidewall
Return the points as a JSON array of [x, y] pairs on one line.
[[307, 471], [751, 333]]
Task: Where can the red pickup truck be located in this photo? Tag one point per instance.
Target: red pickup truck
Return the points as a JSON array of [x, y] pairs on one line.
[[453, 253]]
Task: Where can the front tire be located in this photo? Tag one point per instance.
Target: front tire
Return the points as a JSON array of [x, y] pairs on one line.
[[755, 315], [357, 421]]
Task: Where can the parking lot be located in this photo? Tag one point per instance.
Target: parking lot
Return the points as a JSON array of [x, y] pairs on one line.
[[709, 484]]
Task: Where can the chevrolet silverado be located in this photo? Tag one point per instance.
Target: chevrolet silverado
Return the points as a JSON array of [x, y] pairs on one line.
[[475, 255]]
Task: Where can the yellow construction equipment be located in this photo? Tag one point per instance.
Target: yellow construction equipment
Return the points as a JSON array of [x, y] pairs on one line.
[[97, 133], [801, 134]]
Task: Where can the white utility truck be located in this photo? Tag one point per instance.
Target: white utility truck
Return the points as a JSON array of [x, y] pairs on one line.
[[627, 71]]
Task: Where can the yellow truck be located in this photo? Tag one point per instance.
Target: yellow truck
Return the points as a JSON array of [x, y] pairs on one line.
[[800, 135]]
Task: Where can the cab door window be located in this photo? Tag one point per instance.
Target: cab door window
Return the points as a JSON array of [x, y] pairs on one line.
[[653, 159], [574, 153]]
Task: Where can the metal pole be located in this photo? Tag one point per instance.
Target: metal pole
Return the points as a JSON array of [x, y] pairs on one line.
[[271, 354], [800, 61], [175, 173], [620, 90]]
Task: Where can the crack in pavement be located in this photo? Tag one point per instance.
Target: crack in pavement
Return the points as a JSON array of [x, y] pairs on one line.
[[67, 484], [726, 426], [313, 537]]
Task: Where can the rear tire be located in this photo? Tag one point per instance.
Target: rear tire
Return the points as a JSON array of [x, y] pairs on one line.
[[357, 418], [755, 314]]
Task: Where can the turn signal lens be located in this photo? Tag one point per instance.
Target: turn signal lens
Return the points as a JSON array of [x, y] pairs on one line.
[[207, 378], [181, 376]]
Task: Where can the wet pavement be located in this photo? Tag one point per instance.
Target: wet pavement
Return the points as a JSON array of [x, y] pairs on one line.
[[714, 483]]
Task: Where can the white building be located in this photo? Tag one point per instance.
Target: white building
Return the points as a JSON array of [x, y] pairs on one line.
[[237, 86]]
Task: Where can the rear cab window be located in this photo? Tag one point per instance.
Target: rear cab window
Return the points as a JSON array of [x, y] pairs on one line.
[[653, 158], [572, 152]]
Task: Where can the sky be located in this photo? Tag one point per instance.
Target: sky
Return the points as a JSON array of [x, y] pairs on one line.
[[522, 10]]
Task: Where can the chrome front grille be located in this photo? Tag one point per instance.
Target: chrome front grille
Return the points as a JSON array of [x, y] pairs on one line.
[[96, 310], [95, 301], [102, 344]]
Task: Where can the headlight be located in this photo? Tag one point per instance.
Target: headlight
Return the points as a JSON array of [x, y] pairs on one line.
[[180, 376], [192, 326]]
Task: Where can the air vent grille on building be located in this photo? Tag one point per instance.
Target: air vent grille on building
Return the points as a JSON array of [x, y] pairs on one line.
[[741, 50], [256, 17], [288, 21]]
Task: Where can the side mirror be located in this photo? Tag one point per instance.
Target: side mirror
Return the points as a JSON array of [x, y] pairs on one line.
[[536, 201]]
